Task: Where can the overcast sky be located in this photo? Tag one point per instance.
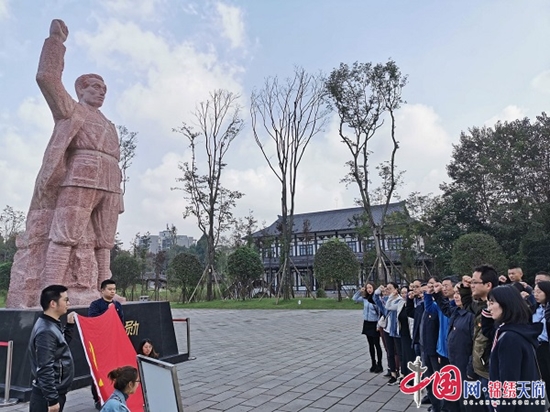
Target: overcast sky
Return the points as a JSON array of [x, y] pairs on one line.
[[469, 63]]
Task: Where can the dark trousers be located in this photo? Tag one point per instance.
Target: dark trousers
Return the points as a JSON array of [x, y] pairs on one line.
[[432, 364], [39, 404], [95, 395], [543, 358], [417, 350], [449, 405], [393, 347], [407, 354], [375, 349]]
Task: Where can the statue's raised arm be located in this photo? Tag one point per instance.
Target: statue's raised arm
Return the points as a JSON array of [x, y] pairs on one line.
[[50, 69]]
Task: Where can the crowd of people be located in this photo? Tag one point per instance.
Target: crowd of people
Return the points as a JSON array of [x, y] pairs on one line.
[[493, 329]]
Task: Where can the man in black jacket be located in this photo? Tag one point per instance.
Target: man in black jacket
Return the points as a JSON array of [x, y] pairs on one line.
[[52, 366], [99, 307]]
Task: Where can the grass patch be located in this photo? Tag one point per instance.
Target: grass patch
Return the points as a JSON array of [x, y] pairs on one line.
[[270, 303]]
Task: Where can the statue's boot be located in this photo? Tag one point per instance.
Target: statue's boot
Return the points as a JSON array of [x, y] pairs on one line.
[[57, 262], [103, 258]]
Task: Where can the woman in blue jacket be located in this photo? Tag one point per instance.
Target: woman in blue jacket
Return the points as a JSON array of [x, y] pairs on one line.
[[371, 314], [125, 380]]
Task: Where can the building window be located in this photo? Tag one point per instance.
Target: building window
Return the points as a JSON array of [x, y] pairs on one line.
[[306, 250], [352, 245], [394, 243], [369, 244], [269, 253], [299, 281]]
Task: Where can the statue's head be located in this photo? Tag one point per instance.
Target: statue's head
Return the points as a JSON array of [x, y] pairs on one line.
[[91, 90]]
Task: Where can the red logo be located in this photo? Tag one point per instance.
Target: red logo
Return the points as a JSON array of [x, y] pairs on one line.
[[447, 383]]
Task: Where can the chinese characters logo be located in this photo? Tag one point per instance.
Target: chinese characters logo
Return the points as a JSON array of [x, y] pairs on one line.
[[447, 385], [447, 382]]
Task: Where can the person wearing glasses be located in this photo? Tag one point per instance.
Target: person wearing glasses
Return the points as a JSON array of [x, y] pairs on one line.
[[52, 366], [474, 291], [126, 381]]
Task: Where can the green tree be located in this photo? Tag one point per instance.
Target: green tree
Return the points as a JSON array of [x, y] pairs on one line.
[[445, 218], [364, 96], [184, 272], [200, 249], [243, 228], [11, 224], [126, 271], [128, 144], [5, 270], [244, 266], [411, 227], [335, 262], [140, 250], [503, 173], [160, 265], [534, 255], [474, 249]]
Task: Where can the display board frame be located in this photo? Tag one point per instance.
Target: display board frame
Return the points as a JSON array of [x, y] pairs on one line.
[[160, 386]]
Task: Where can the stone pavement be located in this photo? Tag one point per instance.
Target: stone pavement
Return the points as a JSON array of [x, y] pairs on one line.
[[274, 360]]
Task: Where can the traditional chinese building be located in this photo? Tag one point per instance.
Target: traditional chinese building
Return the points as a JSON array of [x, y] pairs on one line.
[[311, 230]]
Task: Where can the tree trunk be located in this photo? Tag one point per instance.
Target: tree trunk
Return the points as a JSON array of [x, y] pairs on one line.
[[210, 264], [379, 257]]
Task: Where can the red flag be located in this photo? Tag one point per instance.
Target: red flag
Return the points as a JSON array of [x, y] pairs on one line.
[[108, 347]]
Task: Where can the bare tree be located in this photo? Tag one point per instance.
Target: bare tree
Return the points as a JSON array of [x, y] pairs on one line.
[[243, 227], [11, 222], [285, 116], [308, 237], [218, 121], [364, 96], [128, 144]]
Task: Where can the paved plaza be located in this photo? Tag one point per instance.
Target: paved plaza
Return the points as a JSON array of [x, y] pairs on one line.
[[274, 360]]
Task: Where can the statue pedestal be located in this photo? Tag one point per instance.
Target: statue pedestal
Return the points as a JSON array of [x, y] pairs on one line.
[[151, 320]]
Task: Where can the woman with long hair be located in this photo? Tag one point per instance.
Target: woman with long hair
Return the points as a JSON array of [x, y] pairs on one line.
[[146, 348], [405, 328], [390, 310], [513, 353], [125, 380], [371, 314]]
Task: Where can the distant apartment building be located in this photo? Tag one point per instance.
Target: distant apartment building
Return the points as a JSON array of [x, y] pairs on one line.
[[164, 241]]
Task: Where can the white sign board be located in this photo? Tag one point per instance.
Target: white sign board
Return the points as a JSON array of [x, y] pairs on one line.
[[160, 386]]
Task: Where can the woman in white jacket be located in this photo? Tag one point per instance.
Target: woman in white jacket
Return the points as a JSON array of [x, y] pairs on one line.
[[390, 310]]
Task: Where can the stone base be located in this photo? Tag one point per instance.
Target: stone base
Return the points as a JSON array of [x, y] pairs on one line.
[[151, 320]]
